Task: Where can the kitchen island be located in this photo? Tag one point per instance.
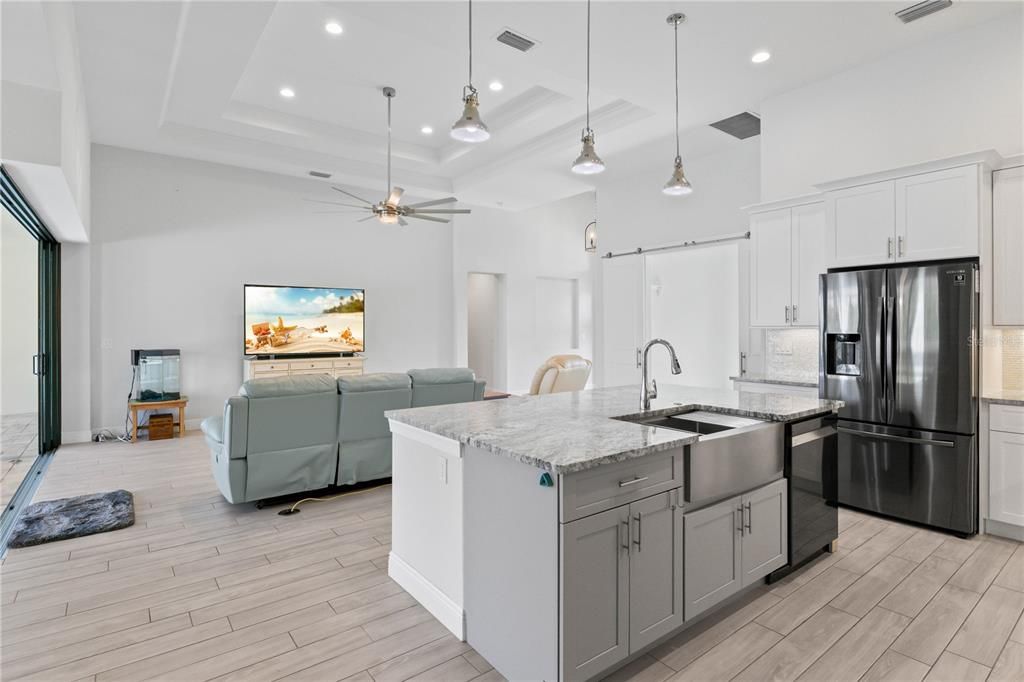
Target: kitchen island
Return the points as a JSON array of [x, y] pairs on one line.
[[562, 535]]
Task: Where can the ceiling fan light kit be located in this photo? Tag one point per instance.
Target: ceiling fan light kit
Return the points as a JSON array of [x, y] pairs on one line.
[[469, 127], [588, 162], [677, 185]]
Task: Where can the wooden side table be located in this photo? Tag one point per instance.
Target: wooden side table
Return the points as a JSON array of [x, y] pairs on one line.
[[136, 405]]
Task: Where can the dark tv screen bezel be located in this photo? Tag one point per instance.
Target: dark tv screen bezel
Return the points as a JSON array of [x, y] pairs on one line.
[[256, 356]]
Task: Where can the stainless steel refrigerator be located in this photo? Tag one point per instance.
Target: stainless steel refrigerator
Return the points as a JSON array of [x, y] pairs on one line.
[[898, 344]]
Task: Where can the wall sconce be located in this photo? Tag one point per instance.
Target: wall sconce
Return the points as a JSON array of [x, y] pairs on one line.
[[590, 236]]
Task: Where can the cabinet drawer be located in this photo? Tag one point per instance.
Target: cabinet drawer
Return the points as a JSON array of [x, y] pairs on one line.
[[305, 365], [348, 364], [275, 368], [594, 490], [1006, 418]]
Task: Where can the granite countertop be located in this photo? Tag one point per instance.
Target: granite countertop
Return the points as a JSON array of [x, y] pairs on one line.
[[1004, 397], [567, 432], [780, 380]]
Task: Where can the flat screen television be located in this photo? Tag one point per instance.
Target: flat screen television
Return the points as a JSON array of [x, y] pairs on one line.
[[302, 320]]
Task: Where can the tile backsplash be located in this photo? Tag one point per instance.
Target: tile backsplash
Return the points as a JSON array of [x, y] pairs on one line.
[[791, 354], [1013, 359]]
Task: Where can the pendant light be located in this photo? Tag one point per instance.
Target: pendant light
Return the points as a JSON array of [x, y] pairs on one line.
[[677, 185], [588, 162], [469, 128]]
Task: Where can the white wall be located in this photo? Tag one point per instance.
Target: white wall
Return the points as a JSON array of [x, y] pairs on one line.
[[956, 94], [632, 212], [173, 241], [543, 242], [486, 328], [19, 316]]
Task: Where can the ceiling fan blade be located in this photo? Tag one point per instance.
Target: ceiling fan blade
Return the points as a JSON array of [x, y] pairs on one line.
[[434, 202], [338, 189], [447, 211], [334, 203], [431, 218], [401, 221], [350, 211], [369, 217], [395, 196]]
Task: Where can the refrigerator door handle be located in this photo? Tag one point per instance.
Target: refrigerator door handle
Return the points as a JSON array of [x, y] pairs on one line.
[[880, 353], [890, 361], [898, 439]]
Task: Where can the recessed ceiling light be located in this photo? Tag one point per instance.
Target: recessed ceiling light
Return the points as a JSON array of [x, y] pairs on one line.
[[495, 86], [427, 130], [333, 27], [761, 57], [287, 93]]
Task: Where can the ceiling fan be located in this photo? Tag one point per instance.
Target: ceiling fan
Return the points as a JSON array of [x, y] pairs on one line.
[[389, 211]]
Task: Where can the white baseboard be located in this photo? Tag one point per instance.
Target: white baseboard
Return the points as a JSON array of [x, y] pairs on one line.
[[433, 600], [70, 437], [1004, 530]]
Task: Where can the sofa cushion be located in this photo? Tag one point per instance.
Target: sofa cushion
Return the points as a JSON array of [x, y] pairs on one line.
[[381, 381], [278, 387], [447, 375], [213, 427]]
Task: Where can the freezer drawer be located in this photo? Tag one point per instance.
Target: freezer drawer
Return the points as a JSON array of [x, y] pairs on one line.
[[920, 476]]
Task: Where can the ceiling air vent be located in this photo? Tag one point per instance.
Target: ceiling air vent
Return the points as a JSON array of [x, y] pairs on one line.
[[515, 40], [922, 9], [319, 174], [740, 126]]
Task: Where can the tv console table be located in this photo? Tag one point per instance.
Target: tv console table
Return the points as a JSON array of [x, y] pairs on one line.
[[279, 367]]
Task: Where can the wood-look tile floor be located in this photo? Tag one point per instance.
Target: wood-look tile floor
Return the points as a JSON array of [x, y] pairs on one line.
[[199, 589]]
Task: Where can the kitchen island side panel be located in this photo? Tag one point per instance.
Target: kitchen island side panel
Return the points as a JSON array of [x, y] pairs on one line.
[[511, 565]]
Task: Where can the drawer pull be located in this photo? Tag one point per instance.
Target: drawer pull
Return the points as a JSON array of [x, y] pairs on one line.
[[639, 542], [633, 481]]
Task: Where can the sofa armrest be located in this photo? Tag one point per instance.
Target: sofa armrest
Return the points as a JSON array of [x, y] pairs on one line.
[[236, 426]]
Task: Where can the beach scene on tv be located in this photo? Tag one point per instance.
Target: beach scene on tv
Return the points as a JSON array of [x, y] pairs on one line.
[[299, 320]]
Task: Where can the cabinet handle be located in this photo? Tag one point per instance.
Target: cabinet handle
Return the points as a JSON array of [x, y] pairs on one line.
[[899, 248], [794, 313], [633, 481], [739, 524], [624, 543], [749, 518], [639, 531], [890, 247], [787, 314]]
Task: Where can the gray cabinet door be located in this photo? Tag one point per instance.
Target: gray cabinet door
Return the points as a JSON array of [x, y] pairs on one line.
[[764, 531], [595, 593], [655, 569], [712, 555]]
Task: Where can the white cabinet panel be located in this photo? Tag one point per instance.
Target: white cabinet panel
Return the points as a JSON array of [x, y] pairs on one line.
[[937, 215], [1006, 477], [770, 268], [860, 225], [1008, 246], [808, 236]]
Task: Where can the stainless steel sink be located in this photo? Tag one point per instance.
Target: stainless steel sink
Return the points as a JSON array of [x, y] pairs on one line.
[[732, 455]]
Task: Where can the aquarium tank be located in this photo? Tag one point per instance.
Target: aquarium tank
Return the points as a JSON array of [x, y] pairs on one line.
[[158, 374]]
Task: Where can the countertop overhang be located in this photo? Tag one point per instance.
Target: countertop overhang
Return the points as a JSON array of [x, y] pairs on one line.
[[567, 432]]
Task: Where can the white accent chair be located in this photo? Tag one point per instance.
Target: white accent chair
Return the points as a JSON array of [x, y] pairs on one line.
[[561, 373]]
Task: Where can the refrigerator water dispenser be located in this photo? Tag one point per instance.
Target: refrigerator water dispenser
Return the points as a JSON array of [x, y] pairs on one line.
[[842, 354]]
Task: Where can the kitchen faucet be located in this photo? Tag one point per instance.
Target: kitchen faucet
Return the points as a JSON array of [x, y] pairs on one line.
[[647, 392]]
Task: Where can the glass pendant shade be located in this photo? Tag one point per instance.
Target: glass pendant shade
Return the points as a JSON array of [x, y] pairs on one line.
[[677, 185], [470, 128], [588, 162]]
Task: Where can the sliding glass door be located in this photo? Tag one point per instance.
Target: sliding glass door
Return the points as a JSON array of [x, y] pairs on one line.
[[30, 353]]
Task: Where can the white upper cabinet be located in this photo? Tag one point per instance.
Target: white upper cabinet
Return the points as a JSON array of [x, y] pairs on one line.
[[861, 225], [808, 262], [787, 253], [770, 268], [937, 215], [916, 217], [1008, 246]]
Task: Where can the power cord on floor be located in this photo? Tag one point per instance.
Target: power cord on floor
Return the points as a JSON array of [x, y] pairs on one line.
[[294, 509]]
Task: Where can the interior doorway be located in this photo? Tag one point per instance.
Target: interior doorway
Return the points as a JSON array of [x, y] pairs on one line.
[[487, 344], [692, 300]]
